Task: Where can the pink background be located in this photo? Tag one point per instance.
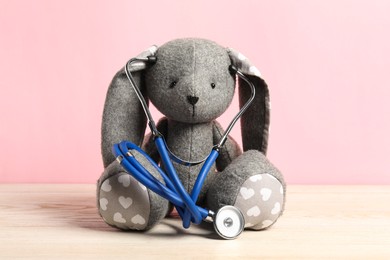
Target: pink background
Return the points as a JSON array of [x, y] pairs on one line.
[[326, 62]]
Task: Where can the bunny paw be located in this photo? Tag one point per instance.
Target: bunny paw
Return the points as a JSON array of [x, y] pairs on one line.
[[124, 202], [260, 199]]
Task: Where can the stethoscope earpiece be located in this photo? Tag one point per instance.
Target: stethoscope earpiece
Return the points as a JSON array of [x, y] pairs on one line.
[[152, 59], [233, 70]]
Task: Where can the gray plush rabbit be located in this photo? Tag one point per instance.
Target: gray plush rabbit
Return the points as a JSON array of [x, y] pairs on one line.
[[191, 85]]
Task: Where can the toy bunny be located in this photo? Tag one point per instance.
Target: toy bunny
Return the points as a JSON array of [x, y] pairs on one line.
[[191, 85]]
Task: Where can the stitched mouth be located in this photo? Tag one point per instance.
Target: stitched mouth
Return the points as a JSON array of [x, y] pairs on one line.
[[193, 110]]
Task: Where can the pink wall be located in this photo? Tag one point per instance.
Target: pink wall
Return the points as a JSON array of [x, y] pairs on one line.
[[326, 62]]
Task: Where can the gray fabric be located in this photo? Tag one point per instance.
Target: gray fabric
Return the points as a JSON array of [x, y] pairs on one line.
[[191, 85], [229, 151], [255, 121], [159, 206], [123, 117]]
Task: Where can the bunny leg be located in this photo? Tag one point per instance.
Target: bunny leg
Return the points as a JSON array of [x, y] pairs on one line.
[[252, 184], [125, 203]]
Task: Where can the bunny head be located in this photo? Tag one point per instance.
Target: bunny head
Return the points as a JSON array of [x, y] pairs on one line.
[[190, 83]]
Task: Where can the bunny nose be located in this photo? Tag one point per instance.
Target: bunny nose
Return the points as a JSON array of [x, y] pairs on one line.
[[192, 99]]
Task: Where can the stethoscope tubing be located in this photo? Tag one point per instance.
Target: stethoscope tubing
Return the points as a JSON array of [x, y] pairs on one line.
[[146, 179], [199, 182], [128, 146], [190, 204], [183, 202]]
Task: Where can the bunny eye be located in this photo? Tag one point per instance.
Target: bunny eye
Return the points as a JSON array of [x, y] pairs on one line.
[[173, 83], [213, 85]]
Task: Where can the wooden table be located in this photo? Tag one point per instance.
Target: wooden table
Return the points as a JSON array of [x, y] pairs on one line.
[[61, 222]]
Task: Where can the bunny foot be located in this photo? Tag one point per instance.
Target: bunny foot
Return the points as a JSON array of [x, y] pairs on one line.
[[253, 185], [126, 204], [260, 200]]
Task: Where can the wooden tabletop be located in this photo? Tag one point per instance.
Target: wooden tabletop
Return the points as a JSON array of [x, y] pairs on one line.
[[52, 221]]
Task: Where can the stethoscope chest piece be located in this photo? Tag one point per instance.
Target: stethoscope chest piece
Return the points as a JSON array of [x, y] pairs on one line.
[[229, 222]]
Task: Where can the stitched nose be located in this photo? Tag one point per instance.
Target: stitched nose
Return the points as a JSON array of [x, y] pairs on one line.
[[192, 99]]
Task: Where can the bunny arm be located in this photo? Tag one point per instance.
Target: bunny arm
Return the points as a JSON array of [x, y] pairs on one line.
[[229, 151]]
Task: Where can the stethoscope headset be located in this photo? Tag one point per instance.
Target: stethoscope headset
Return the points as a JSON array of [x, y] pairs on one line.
[[228, 221]]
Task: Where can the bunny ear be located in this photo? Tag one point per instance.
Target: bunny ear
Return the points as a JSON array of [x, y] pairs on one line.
[[255, 121], [123, 116]]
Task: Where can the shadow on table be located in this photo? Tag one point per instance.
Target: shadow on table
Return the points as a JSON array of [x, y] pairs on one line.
[[80, 210]]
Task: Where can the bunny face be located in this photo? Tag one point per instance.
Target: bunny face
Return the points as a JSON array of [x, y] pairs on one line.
[[190, 81]]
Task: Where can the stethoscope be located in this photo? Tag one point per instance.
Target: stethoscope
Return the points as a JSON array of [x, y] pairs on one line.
[[228, 221]]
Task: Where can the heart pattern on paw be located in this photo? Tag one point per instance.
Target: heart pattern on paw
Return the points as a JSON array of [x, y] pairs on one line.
[[254, 211], [119, 218], [248, 224], [265, 193], [266, 223], [103, 202], [106, 186], [247, 193], [138, 219], [125, 202], [276, 209], [256, 178], [125, 180]]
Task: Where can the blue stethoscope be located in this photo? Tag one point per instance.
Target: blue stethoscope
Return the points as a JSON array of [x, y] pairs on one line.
[[228, 220]]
